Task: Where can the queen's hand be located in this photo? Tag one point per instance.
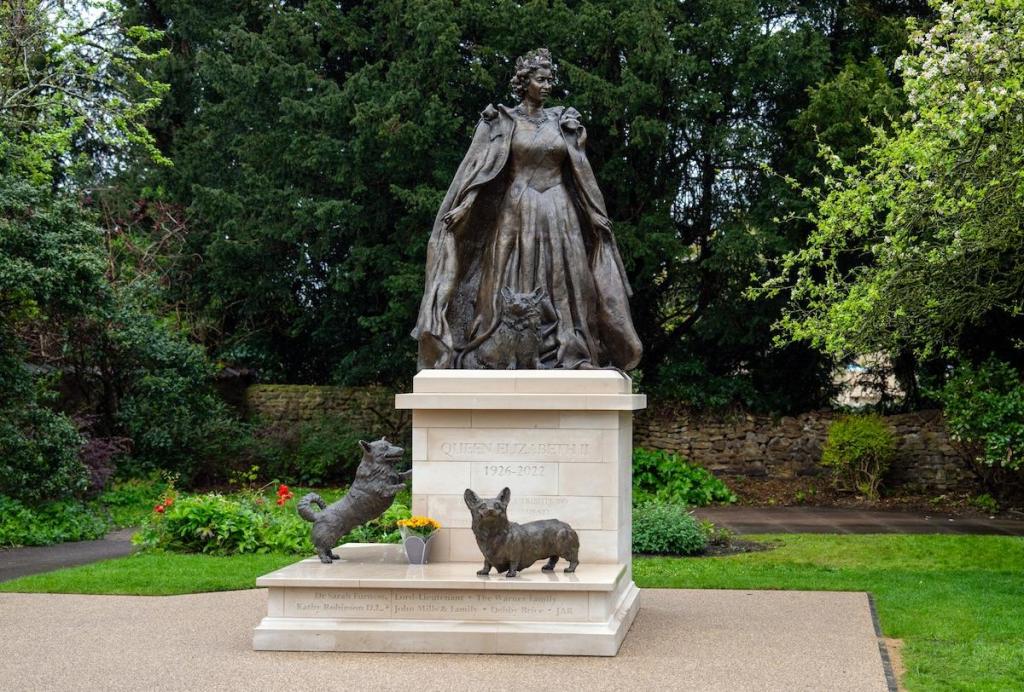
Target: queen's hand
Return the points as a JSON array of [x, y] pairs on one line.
[[600, 221], [453, 217]]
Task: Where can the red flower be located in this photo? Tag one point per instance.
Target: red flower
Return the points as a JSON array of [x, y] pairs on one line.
[[159, 509], [168, 502], [283, 490], [280, 501]]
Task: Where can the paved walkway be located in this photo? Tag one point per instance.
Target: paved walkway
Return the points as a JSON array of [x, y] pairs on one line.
[[20, 562], [836, 520], [681, 640]]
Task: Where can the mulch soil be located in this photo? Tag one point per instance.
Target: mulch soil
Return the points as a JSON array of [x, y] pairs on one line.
[[819, 492]]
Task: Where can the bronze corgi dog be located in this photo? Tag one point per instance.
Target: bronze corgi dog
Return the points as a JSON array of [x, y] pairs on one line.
[[372, 492], [510, 547]]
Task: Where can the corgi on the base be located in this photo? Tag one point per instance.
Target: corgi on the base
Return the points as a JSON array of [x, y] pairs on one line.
[[510, 547]]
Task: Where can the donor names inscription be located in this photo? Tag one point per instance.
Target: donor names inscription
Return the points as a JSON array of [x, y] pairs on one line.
[[414, 604]]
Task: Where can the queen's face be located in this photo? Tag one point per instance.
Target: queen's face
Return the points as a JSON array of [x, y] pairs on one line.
[[539, 87]]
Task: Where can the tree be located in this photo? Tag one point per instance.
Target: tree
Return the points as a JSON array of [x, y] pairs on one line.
[[72, 104], [313, 143], [920, 244]]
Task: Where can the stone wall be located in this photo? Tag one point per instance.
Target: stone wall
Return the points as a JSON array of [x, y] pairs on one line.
[[790, 446], [742, 444], [369, 411]]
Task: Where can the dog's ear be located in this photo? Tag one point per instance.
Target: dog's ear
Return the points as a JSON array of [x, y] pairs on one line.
[[471, 498], [365, 445], [504, 496], [538, 294]]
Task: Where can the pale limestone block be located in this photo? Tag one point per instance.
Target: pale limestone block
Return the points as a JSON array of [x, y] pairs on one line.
[[375, 565], [275, 602], [441, 419], [609, 513], [601, 606], [449, 510], [588, 479], [463, 381], [625, 438], [624, 543], [490, 605], [439, 477], [599, 420], [578, 512], [515, 419], [616, 402], [528, 402], [571, 382], [421, 505], [598, 546], [522, 402], [506, 446], [419, 444], [529, 478], [441, 546], [464, 547]]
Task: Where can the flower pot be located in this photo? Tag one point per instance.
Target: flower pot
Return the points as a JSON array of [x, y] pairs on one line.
[[417, 547]]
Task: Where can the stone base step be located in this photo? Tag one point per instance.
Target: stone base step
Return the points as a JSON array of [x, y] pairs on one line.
[[372, 601]]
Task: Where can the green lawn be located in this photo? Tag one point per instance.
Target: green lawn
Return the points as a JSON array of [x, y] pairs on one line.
[[154, 575], [957, 602]]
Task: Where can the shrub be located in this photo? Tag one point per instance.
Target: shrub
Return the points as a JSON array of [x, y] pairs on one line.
[[859, 450], [984, 410], [47, 523], [666, 529], [322, 451], [131, 502], [666, 477], [172, 414], [39, 458], [247, 523], [99, 455]]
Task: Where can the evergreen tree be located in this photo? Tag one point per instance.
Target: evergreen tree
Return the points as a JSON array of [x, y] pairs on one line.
[[313, 142]]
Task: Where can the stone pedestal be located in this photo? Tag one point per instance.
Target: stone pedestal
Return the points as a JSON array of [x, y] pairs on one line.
[[562, 442]]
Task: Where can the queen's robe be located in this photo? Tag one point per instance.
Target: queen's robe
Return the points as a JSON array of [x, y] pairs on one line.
[[455, 315]]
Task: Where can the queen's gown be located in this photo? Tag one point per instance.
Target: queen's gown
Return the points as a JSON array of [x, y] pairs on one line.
[[533, 199]]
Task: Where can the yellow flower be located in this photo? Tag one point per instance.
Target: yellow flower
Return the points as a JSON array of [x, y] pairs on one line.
[[420, 523]]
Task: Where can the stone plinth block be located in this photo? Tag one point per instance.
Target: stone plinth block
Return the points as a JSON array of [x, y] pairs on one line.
[[372, 600], [561, 440]]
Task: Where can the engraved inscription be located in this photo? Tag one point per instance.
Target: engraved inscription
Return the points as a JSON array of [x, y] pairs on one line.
[[508, 449], [517, 470], [512, 445], [339, 603], [454, 605]]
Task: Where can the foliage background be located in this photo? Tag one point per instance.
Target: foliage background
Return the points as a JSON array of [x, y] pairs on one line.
[[313, 143], [192, 186]]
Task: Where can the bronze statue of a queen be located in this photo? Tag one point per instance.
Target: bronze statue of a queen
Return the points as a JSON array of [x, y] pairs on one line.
[[524, 215]]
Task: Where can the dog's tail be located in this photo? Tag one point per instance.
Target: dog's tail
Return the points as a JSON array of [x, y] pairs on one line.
[[304, 509]]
